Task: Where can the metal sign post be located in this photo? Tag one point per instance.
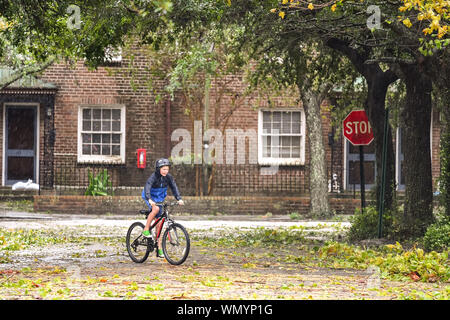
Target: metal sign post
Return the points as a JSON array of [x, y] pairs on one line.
[[383, 174], [358, 131], [361, 175]]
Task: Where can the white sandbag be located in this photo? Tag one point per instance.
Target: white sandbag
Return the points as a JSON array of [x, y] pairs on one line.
[[19, 185], [32, 186], [29, 185]]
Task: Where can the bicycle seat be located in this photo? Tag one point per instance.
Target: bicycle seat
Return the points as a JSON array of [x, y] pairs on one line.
[[146, 212]]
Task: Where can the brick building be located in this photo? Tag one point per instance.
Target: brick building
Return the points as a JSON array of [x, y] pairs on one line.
[[73, 120]]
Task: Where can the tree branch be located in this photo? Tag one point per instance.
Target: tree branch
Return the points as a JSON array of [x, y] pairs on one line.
[[354, 56], [25, 71], [390, 60]]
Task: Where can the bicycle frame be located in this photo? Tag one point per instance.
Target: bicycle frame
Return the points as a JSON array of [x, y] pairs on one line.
[[155, 224], [163, 218]]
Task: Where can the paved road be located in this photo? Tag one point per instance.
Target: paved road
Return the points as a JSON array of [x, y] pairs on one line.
[[16, 219], [91, 266], [98, 267]]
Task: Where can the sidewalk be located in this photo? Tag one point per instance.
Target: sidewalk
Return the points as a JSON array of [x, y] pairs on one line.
[[17, 219]]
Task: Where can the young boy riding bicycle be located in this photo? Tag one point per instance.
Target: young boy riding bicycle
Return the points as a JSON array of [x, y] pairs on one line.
[[155, 190]]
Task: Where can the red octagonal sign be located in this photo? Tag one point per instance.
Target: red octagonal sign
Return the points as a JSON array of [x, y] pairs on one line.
[[357, 128]]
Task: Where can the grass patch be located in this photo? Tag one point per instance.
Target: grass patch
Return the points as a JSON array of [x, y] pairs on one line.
[[258, 237], [19, 239]]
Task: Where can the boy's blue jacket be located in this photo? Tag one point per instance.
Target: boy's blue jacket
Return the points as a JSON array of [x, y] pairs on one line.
[[156, 187]]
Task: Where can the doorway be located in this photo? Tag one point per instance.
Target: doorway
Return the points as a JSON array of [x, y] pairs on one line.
[[20, 143], [353, 180]]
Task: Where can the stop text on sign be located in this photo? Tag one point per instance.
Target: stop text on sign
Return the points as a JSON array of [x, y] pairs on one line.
[[358, 127]]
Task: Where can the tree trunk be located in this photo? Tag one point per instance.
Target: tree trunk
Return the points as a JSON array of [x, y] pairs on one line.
[[378, 83], [319, 206], [416, 118]]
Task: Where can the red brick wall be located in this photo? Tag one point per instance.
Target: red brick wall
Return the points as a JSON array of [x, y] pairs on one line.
[[146, 119], [334, 154], [245, 117], [145, 126]]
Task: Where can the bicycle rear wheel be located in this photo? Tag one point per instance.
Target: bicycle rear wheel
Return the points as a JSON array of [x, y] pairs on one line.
[[176, 244], [137, 245]]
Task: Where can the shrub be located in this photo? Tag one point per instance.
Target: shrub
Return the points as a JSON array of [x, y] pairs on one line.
[[365, 224], [294, 216], [99, 185], [393, 261], [437, 236]]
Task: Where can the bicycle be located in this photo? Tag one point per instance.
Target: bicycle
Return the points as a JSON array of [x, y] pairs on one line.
[[175, 239]]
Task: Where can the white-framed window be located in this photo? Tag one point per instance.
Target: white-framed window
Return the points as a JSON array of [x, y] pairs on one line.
[[101, 133], [281, 136]]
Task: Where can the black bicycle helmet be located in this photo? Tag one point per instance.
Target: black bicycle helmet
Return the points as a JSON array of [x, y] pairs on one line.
[[161, 163]]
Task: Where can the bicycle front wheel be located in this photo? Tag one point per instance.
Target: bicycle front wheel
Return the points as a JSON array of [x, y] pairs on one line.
[[176, 244], [137, 245]]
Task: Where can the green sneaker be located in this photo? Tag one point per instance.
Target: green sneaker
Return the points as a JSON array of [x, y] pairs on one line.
[[160, 253], [146, 233]]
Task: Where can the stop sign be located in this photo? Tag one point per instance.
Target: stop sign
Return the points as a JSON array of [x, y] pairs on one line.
[[357, 128]]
